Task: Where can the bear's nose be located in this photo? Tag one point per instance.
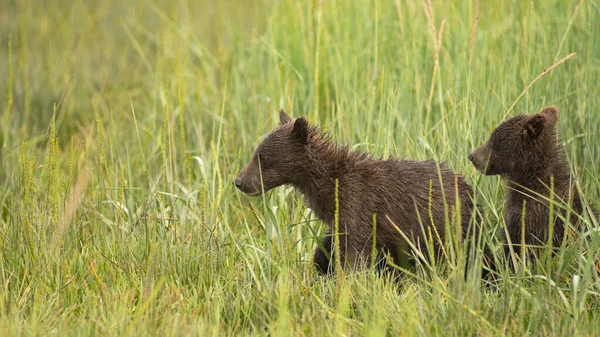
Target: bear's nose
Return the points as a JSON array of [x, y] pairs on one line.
[[238, 183], [471, 156]]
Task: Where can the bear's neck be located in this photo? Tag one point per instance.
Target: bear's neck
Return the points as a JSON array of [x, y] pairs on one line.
[[326, 163], [552, 173]]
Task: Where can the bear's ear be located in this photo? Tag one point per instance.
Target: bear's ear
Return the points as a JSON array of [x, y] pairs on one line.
[[534, 126], [300, 130], [550, 113], [284, 118]]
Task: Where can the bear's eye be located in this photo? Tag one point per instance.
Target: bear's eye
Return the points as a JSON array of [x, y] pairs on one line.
[[261, 158]]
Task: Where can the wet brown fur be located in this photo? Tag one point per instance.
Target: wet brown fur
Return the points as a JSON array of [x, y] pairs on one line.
[[525, 152], [303, 156]]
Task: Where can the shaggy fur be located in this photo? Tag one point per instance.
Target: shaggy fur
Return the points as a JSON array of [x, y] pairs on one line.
[[406, 191], [525, 152]]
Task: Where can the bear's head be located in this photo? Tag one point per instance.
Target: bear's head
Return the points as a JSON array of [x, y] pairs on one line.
[[279, 159], [519, 147]]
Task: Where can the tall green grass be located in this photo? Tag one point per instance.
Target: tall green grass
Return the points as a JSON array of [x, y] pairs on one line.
[[122, 125]]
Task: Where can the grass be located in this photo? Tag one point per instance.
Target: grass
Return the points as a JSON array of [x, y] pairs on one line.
[[123, 124]]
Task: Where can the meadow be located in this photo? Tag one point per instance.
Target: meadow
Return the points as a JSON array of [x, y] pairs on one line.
[[123, 124]]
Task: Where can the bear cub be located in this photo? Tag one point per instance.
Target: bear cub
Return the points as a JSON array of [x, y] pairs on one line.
[[414, 195], [525, 152]]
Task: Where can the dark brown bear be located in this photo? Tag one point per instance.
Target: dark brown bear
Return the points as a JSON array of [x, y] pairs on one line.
[[406, 191], [524, 150]]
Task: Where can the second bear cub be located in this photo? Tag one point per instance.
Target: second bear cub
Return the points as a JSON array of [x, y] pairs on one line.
[[415, 195], [525, 151]]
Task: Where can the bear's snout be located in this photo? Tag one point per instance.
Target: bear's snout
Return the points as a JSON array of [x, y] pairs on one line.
[[245, 183], [238, 182], [471, 157], [477, 159]]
